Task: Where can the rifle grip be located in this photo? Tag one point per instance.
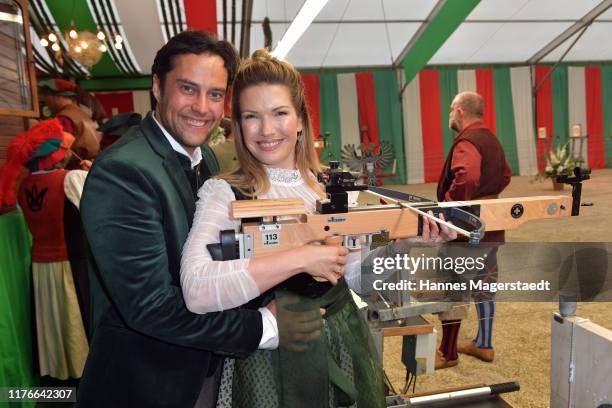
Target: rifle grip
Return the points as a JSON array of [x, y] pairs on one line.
[[333, 240]]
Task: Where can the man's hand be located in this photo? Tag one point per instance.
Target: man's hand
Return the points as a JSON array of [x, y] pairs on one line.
[[85, 165], [299, 324], [436, 233], [433, 233]]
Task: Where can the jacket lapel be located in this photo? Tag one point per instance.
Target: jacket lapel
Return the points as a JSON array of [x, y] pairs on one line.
[[172, 165]]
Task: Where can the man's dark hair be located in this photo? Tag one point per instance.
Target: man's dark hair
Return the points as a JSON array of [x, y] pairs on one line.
[[194, 42]]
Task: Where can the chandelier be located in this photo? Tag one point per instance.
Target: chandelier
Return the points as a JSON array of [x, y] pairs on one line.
[[83, 46]]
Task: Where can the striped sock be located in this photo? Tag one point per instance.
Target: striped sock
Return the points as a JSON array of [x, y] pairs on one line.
[[486, 314]]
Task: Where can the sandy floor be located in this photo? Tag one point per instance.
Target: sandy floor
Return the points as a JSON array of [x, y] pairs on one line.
[[522, 330]]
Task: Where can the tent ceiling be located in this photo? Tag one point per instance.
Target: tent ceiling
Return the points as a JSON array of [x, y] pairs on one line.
[[347, 33], [475, 43], [594, 45], [374, 32]]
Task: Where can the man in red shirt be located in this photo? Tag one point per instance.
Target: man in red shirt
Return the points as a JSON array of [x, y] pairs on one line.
[[475, 168]]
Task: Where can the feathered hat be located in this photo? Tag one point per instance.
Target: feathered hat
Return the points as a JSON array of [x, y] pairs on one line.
[[59, 87], [36, 149]]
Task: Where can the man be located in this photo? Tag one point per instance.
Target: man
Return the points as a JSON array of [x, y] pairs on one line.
[[475, 168], [60, 97], [147, 349]]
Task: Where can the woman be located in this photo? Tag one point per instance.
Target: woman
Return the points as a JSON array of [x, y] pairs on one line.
[[333, 364], [49, 197]]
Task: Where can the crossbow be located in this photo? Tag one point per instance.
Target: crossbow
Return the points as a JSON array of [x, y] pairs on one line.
[[334, 222]]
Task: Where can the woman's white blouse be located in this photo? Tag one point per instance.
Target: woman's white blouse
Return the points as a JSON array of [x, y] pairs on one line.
[[209, 285]]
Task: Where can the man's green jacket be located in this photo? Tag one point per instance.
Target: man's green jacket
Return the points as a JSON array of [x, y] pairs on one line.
[[147, 349]]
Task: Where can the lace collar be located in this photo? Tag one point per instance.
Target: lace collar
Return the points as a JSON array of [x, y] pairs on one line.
[[284, 177]]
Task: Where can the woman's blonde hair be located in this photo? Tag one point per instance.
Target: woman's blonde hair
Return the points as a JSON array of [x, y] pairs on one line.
[[250, 177]]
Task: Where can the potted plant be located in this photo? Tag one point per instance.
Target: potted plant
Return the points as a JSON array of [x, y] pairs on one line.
[[558, 161]]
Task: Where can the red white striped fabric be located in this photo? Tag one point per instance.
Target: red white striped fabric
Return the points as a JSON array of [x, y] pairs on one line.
[[486, 88], [201, 15], [544, 115], [124, 102], [423, 136], [311, 85], [594, 117], [431, 122], [366, 99]]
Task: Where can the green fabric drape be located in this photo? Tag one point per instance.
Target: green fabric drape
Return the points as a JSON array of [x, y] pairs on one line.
[[448, 91], [560, 105], [606, 96], [15, 320], [330, 116], [504, 117], [389, 114]]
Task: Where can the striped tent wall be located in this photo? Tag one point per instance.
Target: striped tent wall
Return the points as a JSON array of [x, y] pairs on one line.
[[355, 108], [124, 102], [375, 107], [606, 96], [508, 112], [576, 95]]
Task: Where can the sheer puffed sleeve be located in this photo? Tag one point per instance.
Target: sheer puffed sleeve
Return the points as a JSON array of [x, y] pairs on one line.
[[209, 285], [73, 186]]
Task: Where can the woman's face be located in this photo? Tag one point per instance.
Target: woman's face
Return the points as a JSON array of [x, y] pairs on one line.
[[270, 124]]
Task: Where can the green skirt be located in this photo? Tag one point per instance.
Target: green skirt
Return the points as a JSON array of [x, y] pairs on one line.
[[338, 369]]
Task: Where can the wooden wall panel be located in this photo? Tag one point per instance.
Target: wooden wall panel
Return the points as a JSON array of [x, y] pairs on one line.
[[10, 126], [12, 69], [18, 94]]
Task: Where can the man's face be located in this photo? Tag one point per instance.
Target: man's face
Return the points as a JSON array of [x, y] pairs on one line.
[[455, 117], [190, 105]]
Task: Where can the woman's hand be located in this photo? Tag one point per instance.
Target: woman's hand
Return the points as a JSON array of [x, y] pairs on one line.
[[323, 262]]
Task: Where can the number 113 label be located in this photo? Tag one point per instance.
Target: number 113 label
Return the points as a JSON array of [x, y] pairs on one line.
[[271, 238]]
